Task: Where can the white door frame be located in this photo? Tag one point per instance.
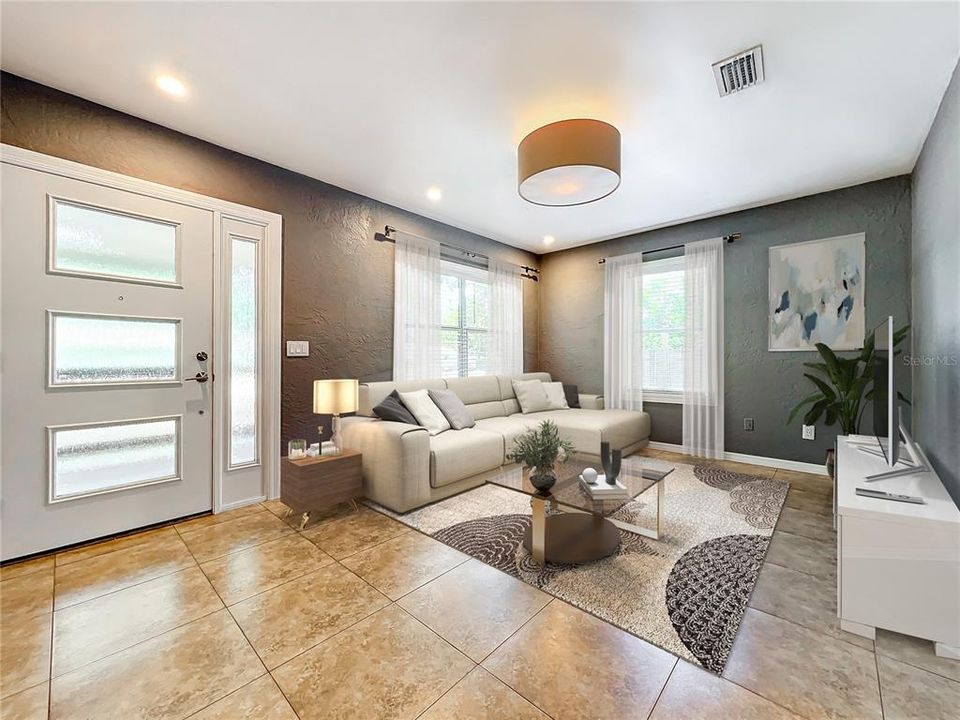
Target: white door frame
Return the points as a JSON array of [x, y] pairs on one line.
[[272, 224]]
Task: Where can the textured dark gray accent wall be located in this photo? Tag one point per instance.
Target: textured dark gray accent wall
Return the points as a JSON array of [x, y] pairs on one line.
[[759, 384], [337, 280], [936, 298]]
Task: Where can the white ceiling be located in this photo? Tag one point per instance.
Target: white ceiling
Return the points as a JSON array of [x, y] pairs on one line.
[[390, 99]]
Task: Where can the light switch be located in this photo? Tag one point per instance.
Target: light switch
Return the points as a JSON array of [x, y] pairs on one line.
[[298, 348]]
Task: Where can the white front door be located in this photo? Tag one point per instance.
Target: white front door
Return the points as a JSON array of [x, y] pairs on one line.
[[106, 323]]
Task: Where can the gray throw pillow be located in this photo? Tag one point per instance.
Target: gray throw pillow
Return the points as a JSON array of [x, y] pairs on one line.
[[573, 396], [392, 409], [453, 409]]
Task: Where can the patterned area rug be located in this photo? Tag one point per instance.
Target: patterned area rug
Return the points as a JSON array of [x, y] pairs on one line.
[[686, 592]]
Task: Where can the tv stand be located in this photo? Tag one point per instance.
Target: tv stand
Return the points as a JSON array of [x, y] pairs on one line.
[[898, 564]]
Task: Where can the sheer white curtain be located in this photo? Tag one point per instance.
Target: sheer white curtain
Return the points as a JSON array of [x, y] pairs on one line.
[[623, 332], [506, 319], [416, 309], [703, 349]]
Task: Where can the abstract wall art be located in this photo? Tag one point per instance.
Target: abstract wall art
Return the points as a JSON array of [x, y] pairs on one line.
[[816, 294]]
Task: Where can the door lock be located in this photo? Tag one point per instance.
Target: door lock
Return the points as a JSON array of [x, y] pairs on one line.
[[200, 377], [202, 356]]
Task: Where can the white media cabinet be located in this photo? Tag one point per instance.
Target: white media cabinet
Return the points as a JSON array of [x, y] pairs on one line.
[[898, 564]]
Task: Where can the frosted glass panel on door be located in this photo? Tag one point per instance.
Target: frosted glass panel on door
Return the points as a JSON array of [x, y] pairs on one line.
[[91, 241], [97, 350], [243, 352], [100, 458]]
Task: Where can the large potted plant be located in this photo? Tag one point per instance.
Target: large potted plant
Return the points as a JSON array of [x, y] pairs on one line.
[[844, 385], [538, 450]]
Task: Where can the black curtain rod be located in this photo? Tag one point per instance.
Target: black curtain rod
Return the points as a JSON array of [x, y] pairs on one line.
[[727, 238], [529, 272]]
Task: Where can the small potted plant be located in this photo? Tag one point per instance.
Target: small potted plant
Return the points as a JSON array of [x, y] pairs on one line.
[[538, 450]]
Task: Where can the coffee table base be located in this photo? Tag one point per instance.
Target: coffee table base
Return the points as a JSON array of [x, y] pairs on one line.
[[572, 538]]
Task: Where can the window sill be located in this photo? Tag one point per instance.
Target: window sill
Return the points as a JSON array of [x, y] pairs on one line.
[[660, 396]]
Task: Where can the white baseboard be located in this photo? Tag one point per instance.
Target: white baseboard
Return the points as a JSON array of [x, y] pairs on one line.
[[795, 465]]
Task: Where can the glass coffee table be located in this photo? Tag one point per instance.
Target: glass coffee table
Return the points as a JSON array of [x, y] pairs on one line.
[[580, 529]]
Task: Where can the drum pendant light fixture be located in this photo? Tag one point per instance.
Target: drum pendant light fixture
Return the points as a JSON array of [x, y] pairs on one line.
[[570, 162]]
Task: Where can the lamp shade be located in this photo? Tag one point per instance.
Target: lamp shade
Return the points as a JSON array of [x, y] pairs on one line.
[[570, 162], [334, 397]]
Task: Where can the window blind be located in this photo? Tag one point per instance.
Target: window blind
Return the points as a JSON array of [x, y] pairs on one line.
[[465, 320], [663, 329]]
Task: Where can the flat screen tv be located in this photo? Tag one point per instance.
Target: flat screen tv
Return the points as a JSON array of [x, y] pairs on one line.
[[886, 418]]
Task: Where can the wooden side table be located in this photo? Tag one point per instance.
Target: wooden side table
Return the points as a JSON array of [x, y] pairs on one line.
[[316, 483]]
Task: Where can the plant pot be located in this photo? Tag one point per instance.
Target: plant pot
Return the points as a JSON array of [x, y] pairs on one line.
[[542, 481], [831, 463]]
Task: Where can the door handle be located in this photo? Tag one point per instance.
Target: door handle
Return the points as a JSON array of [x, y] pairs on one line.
[[200, 377]]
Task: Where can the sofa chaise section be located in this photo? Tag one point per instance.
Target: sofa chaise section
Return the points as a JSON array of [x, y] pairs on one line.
[[625, 430]]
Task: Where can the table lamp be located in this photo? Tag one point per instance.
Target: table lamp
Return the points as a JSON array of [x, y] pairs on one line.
[[333, 397]]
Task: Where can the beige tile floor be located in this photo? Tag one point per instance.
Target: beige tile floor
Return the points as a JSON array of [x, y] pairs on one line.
[[239, 616]]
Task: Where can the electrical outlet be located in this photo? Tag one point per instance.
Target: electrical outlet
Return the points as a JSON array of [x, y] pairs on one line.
[[298, 348], [809, 432], [748, 424]]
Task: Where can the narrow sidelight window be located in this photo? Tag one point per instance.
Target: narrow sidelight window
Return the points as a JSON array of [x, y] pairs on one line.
[[244, 336]]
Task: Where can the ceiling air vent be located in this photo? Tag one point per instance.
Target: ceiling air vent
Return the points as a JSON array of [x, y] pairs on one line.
[[740, 71]]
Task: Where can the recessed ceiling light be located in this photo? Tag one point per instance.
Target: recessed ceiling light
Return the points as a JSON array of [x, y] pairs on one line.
[[434, 194], [171, 85], [549, 240]]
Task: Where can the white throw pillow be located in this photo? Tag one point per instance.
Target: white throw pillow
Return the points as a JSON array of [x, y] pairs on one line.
[[425, 411], [531, 395], [556, 399]]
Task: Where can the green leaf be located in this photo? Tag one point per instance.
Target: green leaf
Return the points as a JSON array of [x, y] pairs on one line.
[[815, 412], [830, 358], [860, 384], [866, 354], [827, 391], [831, 417], [848, 372], [856, 390], [900, 334], [820, 367], [800, 405]]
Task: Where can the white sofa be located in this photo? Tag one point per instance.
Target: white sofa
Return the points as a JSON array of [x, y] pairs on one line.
[[404, 467]]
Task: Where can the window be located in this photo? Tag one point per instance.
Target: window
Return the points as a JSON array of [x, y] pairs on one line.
[[664, 329], [103, 457], [244, 397], [112, 245], [465, 320], [107, 350]]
